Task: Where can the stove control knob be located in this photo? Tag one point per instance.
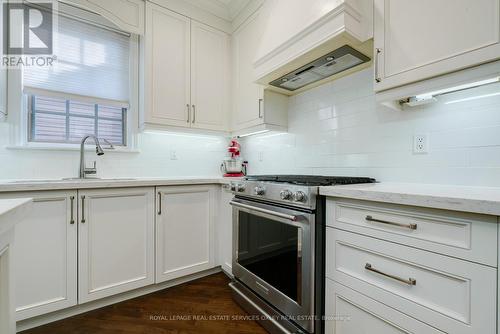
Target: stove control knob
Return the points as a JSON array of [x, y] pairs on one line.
[[259, 190], [233, 186], [299, 196], [286, 194], [240, 188]]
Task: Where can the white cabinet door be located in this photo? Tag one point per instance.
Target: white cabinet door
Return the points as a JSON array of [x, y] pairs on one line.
[[423, 39], [45, 259], [349, 312], [167, 67], [224, 228], [184, 231], [248, 96], [115, 241], [209, 77]]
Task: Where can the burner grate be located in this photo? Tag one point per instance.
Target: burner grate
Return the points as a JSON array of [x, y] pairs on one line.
[[311, 180]]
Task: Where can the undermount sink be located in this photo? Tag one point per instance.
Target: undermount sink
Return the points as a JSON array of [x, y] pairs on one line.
[[98, 179], [73, 179]]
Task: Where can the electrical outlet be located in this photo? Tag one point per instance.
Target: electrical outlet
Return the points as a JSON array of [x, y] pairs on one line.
[[261, 156], [421, 143], [173, 155]]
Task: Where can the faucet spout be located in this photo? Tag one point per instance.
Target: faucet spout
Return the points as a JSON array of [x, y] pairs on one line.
[[98, 150]]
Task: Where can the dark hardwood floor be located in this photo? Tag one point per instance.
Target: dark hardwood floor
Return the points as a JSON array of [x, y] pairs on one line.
[[183, 309]]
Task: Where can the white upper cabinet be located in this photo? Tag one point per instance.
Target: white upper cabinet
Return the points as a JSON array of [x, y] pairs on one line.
[[250, 107], [115, 241], [416, 40], [247, 95], [186, 72], [209, 77], [167, 67], [45, 257]]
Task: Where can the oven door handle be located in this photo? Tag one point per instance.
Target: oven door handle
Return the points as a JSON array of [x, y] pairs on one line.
[[269, 212]]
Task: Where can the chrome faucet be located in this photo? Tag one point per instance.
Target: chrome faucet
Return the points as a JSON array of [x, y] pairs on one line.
[[98, 150]]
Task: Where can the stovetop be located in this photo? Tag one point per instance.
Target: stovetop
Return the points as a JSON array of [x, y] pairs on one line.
[[295, 190], [310, 180]]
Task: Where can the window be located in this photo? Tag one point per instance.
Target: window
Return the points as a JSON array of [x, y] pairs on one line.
[[86, 91], [56, 120]]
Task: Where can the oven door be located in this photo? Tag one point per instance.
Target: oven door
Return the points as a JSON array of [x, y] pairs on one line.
[[273, 255]]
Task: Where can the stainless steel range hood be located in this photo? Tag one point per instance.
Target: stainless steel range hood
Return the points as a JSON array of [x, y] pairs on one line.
[[330, 64]]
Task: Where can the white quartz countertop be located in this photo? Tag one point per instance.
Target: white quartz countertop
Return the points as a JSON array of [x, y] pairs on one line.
[[11, 212], [484, 200], [34, 185]]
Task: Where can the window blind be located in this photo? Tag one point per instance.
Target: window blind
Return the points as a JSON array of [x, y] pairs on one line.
[[92, 61], [86, 91]]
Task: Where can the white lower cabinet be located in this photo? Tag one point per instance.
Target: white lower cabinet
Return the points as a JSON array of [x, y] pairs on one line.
[[449, 294], [184, 231], [349, 312], [115, 241], [224, 237], [45, 257], [401, 269]]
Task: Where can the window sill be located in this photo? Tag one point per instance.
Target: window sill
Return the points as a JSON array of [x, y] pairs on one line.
[[75, 148]]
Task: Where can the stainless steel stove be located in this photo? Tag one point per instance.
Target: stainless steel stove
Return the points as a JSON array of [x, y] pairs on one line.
[[278, 249]]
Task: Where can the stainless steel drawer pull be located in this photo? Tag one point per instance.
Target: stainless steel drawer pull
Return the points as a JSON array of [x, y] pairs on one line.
[[194, 113], [83, 210], [410, 226], [260, 108], [269, 212], [409, 281], [188, 113], [72, 218], [159, 203], [377, 76]]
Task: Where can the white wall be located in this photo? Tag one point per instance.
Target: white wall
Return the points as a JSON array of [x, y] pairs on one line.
[[196, 156], [338, 129]]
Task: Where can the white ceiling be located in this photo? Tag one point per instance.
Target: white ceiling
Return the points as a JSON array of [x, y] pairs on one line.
[[225, 9]]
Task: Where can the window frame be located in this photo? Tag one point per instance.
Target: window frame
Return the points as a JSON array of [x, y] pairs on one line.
[[17, 105], [31, 120]]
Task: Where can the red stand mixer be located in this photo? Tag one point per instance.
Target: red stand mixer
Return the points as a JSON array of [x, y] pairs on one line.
[[234, 166]]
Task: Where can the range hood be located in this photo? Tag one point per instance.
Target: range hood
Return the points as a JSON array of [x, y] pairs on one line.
[[329, 64], [307, 43]]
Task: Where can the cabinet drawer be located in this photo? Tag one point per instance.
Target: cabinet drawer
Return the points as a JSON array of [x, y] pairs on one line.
[[349, 312], [466, 236], [452, 295]]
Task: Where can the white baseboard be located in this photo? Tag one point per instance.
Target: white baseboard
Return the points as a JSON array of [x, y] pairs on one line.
[[78, 309]]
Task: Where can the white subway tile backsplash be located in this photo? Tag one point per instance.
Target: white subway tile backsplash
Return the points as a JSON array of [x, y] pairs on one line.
[[196, 156], [339, 129]]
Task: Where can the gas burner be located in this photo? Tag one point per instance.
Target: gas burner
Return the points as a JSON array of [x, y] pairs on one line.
[[310, 180]]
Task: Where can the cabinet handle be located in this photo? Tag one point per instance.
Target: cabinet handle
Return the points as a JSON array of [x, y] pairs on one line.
[[189, 113], [260, 108], [194, 113], [409, 281], [378, 51], [72, 201], [83, 210], [159, 203], [410, 226]]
